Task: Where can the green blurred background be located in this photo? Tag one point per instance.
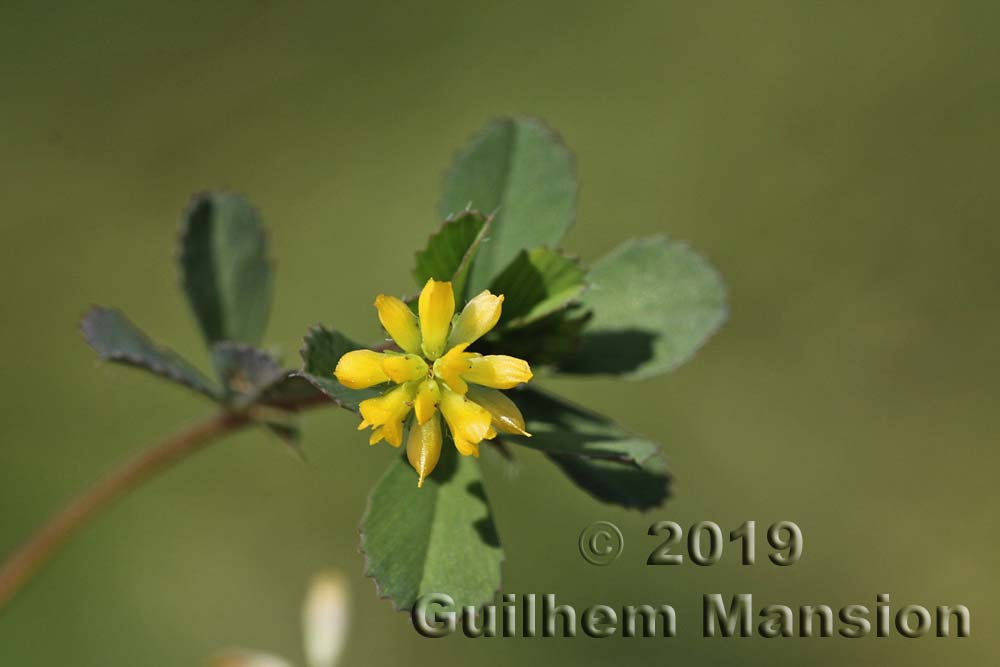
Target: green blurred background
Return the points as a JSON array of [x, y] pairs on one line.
[[836, 161]]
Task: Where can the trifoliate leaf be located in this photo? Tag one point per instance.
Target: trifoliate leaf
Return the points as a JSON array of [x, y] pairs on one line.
[[116, 339], [323, 349], [612, 464], [537, 283], [518, 170], [654, 303], [436, 539], [451, 251], [225, 269]]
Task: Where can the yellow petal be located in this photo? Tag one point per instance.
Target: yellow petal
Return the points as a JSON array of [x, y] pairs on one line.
[[385, 414], [360, 369], [404, 367], [437, 307], [428, 397], [469, 422], [467, 448], [392, 432], [453, 365], [506, 416], [423, 447], [498, 371], [399, 322], [478, 317]]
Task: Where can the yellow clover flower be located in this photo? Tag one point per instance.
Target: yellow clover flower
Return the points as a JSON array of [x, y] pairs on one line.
[[434, 374]]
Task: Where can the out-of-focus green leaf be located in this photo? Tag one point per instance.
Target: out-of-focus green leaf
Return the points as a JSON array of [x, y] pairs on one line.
[[116, 339], [654, 303], [436, 539], [537, 283], [612, 464], [518, 170], [323, 349], [451, 251], [225, 269], [246, 371]]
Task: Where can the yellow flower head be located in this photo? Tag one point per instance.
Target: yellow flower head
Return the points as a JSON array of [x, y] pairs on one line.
[[436, 377]]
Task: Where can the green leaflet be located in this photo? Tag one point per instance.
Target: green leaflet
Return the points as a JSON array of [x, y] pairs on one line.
[[225, 270], [607, 461], [518, 170], [632, 487], [436, 539], [450, 252], [116, 339], [654, 303], [537, 283]]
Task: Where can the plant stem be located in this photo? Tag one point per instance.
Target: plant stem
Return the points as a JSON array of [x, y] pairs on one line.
[[23, 563]]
